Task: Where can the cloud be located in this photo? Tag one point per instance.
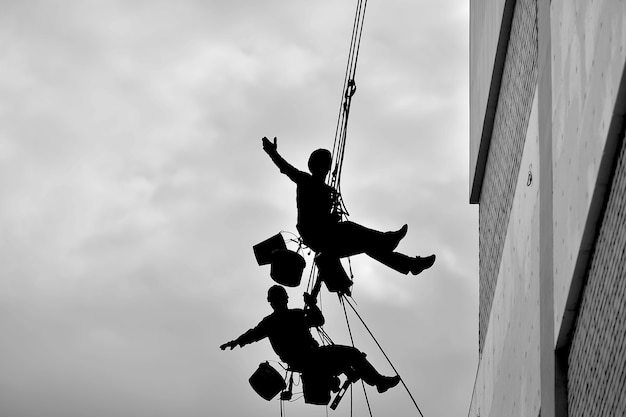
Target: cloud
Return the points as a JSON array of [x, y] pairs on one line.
[[135, 186]]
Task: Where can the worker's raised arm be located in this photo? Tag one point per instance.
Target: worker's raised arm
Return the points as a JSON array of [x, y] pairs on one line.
[[251, 336], [285, 167]]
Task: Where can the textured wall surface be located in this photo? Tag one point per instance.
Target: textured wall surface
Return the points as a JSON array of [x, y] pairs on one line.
[[588, 55], [503, 164], [596, 366], [508, 377], [588, 96], [485, 22]]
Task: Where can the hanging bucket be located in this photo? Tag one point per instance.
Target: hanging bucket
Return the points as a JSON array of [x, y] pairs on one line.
[[287, 267], [316, 388], [266, 381], [263, 251], [332, 273]]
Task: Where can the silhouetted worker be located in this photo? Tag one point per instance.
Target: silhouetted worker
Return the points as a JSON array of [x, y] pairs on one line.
[[320, 225], [288, 332]]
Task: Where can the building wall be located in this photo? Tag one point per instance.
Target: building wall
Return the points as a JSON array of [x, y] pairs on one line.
[[596, 371], [586, 263], [588, 39], [519, 80], [508, 376], [485, 26]]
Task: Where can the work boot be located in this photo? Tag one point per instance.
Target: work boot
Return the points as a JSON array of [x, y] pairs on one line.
[[387, 382], [394, 238], [419, 263]]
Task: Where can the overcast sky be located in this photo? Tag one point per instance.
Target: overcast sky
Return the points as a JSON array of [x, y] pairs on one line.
[[134, 186]]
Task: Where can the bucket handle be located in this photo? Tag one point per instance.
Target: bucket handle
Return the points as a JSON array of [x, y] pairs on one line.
[[295, 239]]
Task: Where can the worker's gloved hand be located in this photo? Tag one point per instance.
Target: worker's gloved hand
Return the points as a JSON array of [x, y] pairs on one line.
[[230, 345], [269, 146], [309, 299]]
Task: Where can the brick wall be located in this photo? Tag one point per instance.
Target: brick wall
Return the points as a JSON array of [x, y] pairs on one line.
[[596, 366], [503, 163]]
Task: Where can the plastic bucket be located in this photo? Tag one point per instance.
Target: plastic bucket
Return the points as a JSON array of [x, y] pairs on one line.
[[263, 251], [287, 267], [266, 381], [316, 388]]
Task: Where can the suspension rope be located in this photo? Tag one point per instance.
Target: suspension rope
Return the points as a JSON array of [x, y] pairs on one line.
[[345, 313], [383, 352], [349, 88], [367, 400], [311, 282], [282, 407]]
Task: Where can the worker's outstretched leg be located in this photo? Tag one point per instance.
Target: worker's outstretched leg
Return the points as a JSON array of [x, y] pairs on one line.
[[349, 238], [352, 362], [403, 263]]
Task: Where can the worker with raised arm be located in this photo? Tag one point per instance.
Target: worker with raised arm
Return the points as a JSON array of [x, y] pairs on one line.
[[288, 331], [321, 227]]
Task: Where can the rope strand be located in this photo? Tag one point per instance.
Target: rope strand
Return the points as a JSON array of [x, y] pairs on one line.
[[349, 88], [384, 354]]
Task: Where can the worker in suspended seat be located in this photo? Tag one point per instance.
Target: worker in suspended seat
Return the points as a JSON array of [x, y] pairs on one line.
[[320, 225], [288, 331]]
